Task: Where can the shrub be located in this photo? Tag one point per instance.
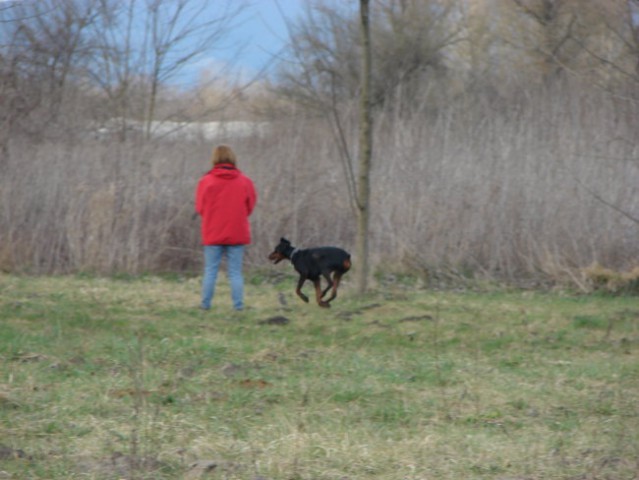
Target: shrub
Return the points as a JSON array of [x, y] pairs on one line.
[[604, 279]]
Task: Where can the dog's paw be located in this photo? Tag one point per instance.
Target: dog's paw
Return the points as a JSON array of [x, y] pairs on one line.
[[324, 304]]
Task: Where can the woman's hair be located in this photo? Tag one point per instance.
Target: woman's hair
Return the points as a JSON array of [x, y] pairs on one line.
[[224, 154]]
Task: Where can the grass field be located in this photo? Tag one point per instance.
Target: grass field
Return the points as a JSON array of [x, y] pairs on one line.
[[126, 378]]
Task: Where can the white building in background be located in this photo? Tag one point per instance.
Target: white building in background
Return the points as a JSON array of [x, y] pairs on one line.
[[207, 130], [167, 130]]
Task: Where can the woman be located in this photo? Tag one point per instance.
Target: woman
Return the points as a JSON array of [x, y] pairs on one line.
[[225, 199]]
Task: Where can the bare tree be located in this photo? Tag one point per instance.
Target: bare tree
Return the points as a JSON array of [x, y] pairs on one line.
[[617, 52], [43, 46], [11, 100], [409, 42], [145, 45], [365, 150], [182, 32], [555, 35]]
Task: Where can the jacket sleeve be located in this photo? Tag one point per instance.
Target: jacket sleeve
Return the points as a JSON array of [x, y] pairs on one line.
[[251, 200], [199, 198]]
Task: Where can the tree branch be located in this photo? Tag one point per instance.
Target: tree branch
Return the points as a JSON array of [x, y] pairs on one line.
[[611, 205]]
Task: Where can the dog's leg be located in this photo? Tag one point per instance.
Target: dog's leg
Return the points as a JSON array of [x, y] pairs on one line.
[[318, 294], [336, 278], [327, 276], [298, 290]]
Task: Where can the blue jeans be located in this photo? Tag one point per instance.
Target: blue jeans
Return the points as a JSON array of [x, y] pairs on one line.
[[212, 258]]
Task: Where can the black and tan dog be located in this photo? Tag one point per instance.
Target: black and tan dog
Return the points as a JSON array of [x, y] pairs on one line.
[[312, 264]]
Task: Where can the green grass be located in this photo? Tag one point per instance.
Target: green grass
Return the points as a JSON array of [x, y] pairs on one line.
[[125, 378]]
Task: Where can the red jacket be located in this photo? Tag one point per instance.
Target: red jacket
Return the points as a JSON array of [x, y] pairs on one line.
[[225, 198]]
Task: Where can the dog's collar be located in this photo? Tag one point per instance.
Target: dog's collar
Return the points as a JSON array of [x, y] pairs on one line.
[[295, 250]]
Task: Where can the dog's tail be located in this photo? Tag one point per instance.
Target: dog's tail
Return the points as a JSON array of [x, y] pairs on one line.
[[347, 263]]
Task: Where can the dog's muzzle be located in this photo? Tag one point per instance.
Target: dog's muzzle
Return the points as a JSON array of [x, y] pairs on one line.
[[276, 257]]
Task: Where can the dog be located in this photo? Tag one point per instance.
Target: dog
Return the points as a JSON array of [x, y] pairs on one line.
[[312, 264]]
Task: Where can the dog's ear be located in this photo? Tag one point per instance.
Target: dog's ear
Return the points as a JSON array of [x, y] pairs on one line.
[[283, 240]]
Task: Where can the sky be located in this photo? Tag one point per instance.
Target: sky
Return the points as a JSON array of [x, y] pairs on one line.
[[264, 26], [261, 31]]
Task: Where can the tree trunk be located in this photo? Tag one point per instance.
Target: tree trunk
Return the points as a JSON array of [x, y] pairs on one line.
[[365, 152]]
